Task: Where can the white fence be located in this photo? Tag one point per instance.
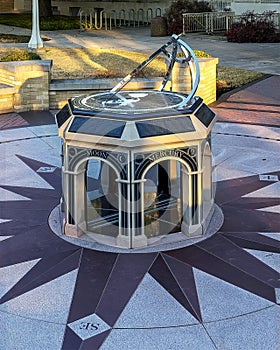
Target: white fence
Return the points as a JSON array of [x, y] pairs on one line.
[[210, 22], [259, 1], [221, 5]]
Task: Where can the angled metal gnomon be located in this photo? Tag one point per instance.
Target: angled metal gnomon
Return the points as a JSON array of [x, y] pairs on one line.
[[175, 50]]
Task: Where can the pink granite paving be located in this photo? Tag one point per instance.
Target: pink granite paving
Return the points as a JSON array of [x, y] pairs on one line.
[[11, 120], [255, 104], [266, 91]]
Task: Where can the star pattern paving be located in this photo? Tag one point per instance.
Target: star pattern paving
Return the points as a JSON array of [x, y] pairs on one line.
[[106, 281]]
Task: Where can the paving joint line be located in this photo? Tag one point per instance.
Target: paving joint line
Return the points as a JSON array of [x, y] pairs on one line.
[[242, 315], [247, 109], [28, 138], [246, 103], [248, 136]]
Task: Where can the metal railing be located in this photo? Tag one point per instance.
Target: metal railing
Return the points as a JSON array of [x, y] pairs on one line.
[[206, 21], [96, 19], [218, 21], [221, 5]]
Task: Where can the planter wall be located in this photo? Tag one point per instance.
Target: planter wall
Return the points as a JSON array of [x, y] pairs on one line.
[[61, 90], [30, 80], [26, 85], [181, 81]]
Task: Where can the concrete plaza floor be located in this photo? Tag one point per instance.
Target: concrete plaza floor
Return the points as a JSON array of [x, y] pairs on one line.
[[222, 293]]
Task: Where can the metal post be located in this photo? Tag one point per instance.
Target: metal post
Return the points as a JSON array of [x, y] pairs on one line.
[[35, 41]]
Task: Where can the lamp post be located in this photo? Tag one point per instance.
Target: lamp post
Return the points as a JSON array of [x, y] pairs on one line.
[[35, 41]]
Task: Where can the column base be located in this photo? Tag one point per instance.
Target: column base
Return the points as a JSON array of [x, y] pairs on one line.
[[72, 230]]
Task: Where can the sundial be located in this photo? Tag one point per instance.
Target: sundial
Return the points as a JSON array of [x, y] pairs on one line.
[[90, 294], [137, 163]]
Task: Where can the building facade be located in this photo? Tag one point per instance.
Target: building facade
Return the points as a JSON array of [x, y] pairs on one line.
[[155, 7], [72, 7]]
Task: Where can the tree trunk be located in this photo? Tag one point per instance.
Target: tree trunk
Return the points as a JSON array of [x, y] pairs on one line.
[[45, 8]]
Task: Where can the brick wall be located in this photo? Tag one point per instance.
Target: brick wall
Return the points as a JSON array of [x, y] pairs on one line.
[[26, 85], [6, 5], [7, 74], [30, 80], [62, 90], [6, 98], [181, 81]]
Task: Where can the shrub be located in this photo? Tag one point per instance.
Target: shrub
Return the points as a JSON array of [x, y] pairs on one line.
[[201, 54], [19, 55], [254, 29], [198, 54], [12, 38], [23, 20], [174, 14], [59, 23]]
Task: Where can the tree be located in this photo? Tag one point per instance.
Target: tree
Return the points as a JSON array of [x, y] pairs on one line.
[[45, 8]]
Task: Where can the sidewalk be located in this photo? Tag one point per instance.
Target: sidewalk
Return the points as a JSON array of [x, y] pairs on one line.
[[256, 104], [260, 57]]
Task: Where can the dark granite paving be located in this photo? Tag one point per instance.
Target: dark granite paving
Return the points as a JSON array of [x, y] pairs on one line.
[[106, 283], [11, 120], [23, 119]]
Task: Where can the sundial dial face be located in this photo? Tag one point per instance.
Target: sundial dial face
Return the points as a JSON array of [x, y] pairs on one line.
[[131, 102]]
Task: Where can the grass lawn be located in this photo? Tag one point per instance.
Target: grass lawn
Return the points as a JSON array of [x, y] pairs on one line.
[[92, 63], [105, 63], [98, 63], [12, 38], [229, 78]]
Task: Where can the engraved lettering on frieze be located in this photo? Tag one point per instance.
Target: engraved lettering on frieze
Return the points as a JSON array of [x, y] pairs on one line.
[[167, 153], [98, 153]]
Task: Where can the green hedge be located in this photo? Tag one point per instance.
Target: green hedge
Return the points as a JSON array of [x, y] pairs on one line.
[[24, 20]]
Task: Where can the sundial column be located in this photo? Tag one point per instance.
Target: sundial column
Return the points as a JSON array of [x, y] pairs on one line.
[[186, 198], [75, 203], [124, 200], [123, 238], [139, 238], [79, 201], [74, 192], [208, 198]]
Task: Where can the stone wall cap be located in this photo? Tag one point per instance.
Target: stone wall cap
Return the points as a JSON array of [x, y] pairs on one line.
[[45, 65], [6, 89], [208, 59]]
